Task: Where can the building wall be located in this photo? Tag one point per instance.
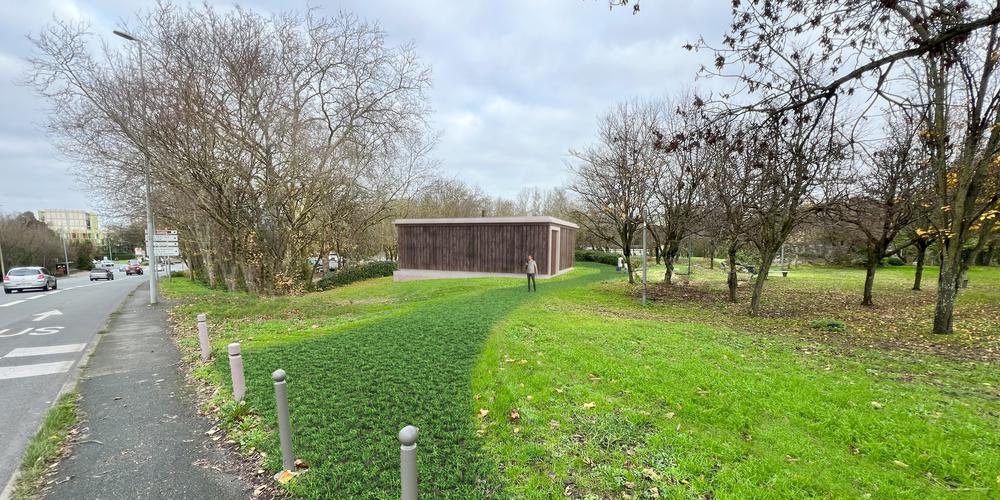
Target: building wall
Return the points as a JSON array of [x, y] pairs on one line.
[[76, 225], [492, 248], [567, 247]]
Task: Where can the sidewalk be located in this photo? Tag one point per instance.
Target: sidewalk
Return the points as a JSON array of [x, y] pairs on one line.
[[141, 436]]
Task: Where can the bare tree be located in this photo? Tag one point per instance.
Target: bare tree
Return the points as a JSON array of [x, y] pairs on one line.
[[616, 177], [263, 133], [886, 194], [691, 153], [865, 50], [798, 162]]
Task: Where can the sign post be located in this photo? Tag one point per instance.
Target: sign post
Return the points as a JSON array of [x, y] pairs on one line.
[[165, 244]]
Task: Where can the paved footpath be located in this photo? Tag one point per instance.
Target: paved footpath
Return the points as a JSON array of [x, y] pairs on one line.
[[141, 436]]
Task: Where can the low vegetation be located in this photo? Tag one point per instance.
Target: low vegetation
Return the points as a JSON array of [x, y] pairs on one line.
[[359, 272], [46, 446], [579, 390]]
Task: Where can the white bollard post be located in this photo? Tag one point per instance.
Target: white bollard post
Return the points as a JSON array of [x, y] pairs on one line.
[[408, 461], [236, 369], [206, 349], [284, 423]]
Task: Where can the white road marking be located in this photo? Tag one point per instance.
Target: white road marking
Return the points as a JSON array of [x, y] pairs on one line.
[[53, 292], [35, 370], [11, 303], [35, 297], [46, 314], [21, 352]]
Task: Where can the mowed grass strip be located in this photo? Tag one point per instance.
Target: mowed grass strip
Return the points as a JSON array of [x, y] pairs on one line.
[[613, 399], [405, 359], [588, 394]]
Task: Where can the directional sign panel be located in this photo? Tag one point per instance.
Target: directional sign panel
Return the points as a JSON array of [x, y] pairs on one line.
[[164, 237], [168, 252], [165, 244]]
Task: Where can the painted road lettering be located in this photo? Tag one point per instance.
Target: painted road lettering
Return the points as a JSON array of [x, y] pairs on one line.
[[45, 330]]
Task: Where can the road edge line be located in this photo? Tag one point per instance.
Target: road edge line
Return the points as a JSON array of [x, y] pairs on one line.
[[69, 385]]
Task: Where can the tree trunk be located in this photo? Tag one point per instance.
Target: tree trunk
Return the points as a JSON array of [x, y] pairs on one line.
[[670, 251], [944, 308], [711, 254], [921, 254], [627, 252], [731, 280], [869, 282], [656, 250], [766, 258], [875, 253]]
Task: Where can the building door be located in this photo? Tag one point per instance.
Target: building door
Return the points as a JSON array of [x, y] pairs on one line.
[[553, 252]]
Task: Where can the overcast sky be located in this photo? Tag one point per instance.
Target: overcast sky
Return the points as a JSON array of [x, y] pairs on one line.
[[516, 83]]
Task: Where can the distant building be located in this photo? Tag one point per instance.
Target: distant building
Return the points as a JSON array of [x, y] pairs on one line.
[[76, 225]]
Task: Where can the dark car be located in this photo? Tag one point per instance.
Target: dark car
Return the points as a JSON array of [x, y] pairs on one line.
[[102, 274], [133, 268], [21, 278]]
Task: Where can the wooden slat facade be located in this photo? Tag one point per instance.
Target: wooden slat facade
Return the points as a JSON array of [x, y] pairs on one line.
[[482, 247]]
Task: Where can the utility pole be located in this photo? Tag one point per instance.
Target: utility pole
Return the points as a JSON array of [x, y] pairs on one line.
[[643, 260], [150, 224], [65, 255], [3, 268]]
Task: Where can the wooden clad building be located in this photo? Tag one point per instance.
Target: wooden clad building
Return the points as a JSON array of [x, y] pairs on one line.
[[483, 246]]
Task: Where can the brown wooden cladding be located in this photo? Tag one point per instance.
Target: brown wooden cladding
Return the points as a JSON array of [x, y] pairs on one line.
[[489, 248], [567, 246]]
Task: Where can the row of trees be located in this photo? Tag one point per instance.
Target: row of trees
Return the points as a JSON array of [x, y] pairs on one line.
[[27, 241], [880, 116], [265, 137]]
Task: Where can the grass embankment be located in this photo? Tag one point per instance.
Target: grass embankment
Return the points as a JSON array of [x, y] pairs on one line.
[[46, 446], [587, 393]]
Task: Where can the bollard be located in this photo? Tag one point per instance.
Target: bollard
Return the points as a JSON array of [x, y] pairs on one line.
[[236, 369], [408, 461], [284, 424], [206, 349]]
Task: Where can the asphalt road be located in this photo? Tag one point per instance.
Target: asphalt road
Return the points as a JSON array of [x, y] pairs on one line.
[[43, 335]]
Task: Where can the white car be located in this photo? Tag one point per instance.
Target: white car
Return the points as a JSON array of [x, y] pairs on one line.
[[22, 278]]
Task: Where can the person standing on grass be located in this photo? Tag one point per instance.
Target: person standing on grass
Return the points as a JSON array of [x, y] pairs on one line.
[[532, 268], [621, 264]]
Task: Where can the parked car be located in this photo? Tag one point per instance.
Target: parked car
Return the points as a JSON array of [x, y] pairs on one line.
[[123, 268], [133, 268], [22, 278], [102, 274], [108, 264]]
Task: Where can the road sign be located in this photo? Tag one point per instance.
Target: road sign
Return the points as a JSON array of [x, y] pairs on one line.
[[168, 252], [165, 244], [164, 237]]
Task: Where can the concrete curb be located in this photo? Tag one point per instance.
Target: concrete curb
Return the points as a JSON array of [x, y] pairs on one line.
[[71, 383]]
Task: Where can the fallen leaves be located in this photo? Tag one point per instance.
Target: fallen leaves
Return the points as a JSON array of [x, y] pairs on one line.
[[483, 412], [899, 463], [876, 405], [515, 415], [589, 405], [651, 474], [554, 424]]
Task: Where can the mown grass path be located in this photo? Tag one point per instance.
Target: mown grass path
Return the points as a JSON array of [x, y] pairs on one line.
[[351, 391]]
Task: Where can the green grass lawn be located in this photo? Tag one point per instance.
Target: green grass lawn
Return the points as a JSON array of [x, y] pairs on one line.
[[578, 390]]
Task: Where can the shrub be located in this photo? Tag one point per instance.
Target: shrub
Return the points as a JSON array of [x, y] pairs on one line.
[[598, 256], [348, 275], [829, 325], [893, 261]]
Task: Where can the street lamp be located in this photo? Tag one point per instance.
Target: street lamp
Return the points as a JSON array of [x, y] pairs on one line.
[[150, 224], [643, 260]]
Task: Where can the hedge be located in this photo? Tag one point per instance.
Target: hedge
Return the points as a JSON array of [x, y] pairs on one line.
[[351, 274], [598, 256]]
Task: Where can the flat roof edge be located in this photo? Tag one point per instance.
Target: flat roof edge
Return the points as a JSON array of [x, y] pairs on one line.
[[532, 219]]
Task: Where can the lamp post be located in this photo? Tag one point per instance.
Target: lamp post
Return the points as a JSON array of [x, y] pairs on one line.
[[65, 254], [150, 224], [644, 260]]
